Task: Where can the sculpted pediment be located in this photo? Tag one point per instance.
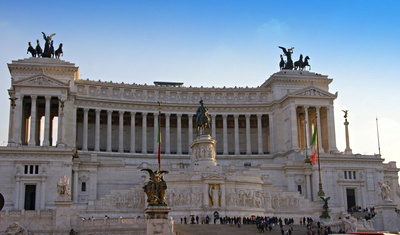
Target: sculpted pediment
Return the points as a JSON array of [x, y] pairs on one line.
[[41, 81], [313, 92]]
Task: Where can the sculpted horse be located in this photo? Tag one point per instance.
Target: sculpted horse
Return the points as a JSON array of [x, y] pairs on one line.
[[305, 63], [299, 63]]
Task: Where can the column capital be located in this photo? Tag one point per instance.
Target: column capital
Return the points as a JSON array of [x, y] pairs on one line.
[[155, 114], [224, 116], [133, 113], [121, 112], [47, 97], [306, 107], [317, 108], [33, 97], [248, 115], [167, 115], [212, 115], [110, 112], [86, 110], [179, 115], [144, 114], [191, 115], [98, 111], [236, 116], [259, 115]]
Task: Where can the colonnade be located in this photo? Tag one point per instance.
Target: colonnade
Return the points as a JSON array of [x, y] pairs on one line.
[[133, 132], [25, 117]]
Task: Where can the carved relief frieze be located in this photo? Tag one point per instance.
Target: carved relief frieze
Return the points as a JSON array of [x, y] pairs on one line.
[[244, 198], [178, 197]]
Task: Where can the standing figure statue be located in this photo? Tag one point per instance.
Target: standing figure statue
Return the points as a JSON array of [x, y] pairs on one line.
[[288, 53], [385, 191], [47, 52], [214, 194], [203, 119]]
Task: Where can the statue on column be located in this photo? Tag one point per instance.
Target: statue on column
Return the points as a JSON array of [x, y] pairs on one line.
[[203, 119], [156, 187]]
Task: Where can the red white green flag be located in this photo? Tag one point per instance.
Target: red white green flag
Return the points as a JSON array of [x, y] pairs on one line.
[[314, 143]]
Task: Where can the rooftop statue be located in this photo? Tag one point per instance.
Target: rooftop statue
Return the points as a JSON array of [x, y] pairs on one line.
[[288, 64], [46, 52], [203, 119], [155, 188], [288, 53]]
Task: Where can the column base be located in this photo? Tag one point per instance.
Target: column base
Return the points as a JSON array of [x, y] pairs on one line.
[[158, 221]]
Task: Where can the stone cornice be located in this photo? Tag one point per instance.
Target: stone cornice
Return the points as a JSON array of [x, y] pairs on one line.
[[42, 81], [296, 77]]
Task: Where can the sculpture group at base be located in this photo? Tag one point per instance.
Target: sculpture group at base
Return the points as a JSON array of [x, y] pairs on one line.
[[64, 192], [385, 191], [49, 51]]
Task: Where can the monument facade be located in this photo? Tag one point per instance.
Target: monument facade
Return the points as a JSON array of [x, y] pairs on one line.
[[250, 160]]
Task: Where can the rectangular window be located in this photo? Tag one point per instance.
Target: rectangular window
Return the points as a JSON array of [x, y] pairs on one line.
[[349, 174], [36, 169], [26, 169], [354, 175], [30, 197], [30, 169], [83, 187], [345, 175]]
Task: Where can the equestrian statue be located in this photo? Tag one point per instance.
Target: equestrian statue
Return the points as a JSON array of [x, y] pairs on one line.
[[203, 120]]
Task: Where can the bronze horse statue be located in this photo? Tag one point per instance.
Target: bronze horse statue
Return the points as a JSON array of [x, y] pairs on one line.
[[300, 64], [203, 120]]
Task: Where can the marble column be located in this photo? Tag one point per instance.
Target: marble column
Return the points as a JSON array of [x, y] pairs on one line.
[[109, 130], [293, 118], [179, 133], [213, 126], [307, 125], [60, 141], [167, 134], [32, 137], [18, 119], [248, 138], [155, 121], [144, 132], [121, 132], [11, 141], [17, 192], [43, 193], [97, 131], [318, 109], [331, 129], [223, 193], [205, 196], [236, 119], [133, 134], [225, 133], [260, 136], [308, 186], [75, 184], [85, 129], [190, 117], [271, 133], [46, 137]]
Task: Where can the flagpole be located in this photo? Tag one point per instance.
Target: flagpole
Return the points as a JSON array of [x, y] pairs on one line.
[[377, 131], [306, 144], [320, 191], [159, 136]]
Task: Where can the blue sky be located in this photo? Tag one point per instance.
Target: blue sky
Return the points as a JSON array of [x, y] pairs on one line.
[[226, 43]]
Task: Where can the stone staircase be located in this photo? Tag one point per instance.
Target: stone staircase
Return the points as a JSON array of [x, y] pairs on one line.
[[228, 229]]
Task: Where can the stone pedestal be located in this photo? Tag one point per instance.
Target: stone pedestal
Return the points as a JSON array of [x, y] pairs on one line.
[[386, 217], [63, 215], [203, 155], [158, 221]]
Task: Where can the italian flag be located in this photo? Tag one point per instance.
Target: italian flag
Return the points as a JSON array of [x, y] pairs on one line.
[[315, 143]]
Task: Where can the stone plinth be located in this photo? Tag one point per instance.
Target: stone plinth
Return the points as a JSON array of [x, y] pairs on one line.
[[158, 221], [63, 215], [203, 155], [386, 217]]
